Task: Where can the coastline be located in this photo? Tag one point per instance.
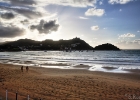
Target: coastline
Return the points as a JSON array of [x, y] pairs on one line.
[[67, 84]]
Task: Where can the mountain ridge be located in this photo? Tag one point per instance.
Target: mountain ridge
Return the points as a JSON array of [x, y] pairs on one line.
[[48, 44]]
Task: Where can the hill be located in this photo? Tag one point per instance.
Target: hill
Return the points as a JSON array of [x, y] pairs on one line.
[[67, 45], [27, 44], [106, 46]]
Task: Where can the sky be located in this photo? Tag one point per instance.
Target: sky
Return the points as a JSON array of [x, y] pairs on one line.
[[95, 21]]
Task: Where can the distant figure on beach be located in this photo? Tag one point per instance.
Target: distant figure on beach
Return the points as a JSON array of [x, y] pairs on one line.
[[27, 68], [22, 68]]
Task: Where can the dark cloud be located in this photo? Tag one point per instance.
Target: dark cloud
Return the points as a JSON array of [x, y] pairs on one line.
[[11, 31], [24, 21], [22, 2], [8, 16], [46, 27], [28, 13], [25, 11]]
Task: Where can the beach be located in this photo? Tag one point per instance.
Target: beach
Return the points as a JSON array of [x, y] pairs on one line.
[[67, 84]]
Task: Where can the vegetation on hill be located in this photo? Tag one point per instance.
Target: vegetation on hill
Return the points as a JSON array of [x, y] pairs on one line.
[[67, 45], [27, 44], [106, 46]]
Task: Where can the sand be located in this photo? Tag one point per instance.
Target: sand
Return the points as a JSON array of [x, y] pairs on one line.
[[67, 84]]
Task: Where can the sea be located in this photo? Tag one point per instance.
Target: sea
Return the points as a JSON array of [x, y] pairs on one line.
[[117, 61]]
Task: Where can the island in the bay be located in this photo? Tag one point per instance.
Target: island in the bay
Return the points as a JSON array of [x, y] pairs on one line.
[[67, 45]]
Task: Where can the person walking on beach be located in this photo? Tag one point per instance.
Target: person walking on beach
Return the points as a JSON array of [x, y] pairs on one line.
[[27, 68], [22, 68]]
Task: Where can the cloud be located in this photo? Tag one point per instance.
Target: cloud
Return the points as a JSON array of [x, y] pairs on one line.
[[45, 27], [95, 28], [22, 2], [25, 11], [95, 12], [134, 44], [123, 42], [100, 3], [7, 15], [138, 31], [28, 13], [73, 3], [104, 28], [119, 1], [30, 8], [82, 17], [25, 21], [128, 35], [137, 41], [11, 31]]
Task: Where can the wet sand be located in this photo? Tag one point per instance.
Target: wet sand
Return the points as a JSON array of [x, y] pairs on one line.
[[67, 84]]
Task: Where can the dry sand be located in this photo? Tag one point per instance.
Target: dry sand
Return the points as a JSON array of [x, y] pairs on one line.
[[67, 84]]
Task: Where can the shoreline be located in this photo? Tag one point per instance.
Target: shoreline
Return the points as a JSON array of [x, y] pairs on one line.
[[104, 60], [89, 67], [68, 84]]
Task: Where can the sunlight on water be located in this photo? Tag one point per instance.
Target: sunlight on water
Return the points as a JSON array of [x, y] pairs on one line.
[[97, 59]]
